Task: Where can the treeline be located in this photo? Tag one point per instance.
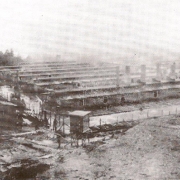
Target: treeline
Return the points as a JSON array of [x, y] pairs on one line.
[[8, 58]]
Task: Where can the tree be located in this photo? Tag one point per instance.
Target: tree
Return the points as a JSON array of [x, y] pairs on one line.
[[8, 58]]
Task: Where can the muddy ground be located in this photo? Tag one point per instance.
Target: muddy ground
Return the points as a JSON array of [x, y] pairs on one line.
[[149, 150]]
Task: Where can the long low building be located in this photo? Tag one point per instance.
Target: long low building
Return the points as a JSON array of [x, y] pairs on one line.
[[118, 96], [84, 84]]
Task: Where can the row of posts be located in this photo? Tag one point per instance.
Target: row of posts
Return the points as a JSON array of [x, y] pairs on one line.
[[162, 114]]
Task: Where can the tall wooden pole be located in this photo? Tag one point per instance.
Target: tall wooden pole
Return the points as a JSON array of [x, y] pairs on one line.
[[63, 126]]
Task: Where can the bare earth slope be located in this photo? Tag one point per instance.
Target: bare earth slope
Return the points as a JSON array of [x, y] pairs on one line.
[[148, 151]]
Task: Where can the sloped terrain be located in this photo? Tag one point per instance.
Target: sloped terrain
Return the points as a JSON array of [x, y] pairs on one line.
[[149, 150]]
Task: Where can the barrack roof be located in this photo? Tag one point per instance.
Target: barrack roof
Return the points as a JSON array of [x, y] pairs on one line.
[[79, 113]]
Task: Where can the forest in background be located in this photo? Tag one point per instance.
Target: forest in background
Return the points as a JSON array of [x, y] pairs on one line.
[[9, 59]]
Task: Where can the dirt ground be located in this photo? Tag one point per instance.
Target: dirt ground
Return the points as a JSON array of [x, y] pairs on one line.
[[149, 150]]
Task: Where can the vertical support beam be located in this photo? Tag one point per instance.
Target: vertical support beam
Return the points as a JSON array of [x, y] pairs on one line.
[[50, 118], [63, 126], [84, 99], [55, 122], [71, 140], [83, 102], [44, 113], [77, 142], [59, 120], [88, 121]]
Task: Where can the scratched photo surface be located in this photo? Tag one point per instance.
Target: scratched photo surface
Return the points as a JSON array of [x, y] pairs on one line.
[[89, 90]]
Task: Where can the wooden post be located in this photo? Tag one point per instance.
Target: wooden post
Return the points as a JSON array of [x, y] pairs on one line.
[[88, 121], [100, 122], [45, 118], [63, 126], [59, 120], [50, 119], [176, 111], [147, 114], [77, 141], [55, 122], [132, 116], [83, 101], [161, 112], [71, 139]]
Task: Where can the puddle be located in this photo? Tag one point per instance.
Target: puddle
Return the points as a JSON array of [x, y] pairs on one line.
[[28, 171]]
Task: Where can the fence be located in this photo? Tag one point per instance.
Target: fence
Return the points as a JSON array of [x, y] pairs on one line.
[[135, 115]]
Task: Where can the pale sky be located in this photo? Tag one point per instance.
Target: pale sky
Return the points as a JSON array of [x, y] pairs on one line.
[[89, 26]]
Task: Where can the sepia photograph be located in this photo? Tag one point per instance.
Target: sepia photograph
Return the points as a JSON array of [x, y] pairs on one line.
[[90, 90]]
